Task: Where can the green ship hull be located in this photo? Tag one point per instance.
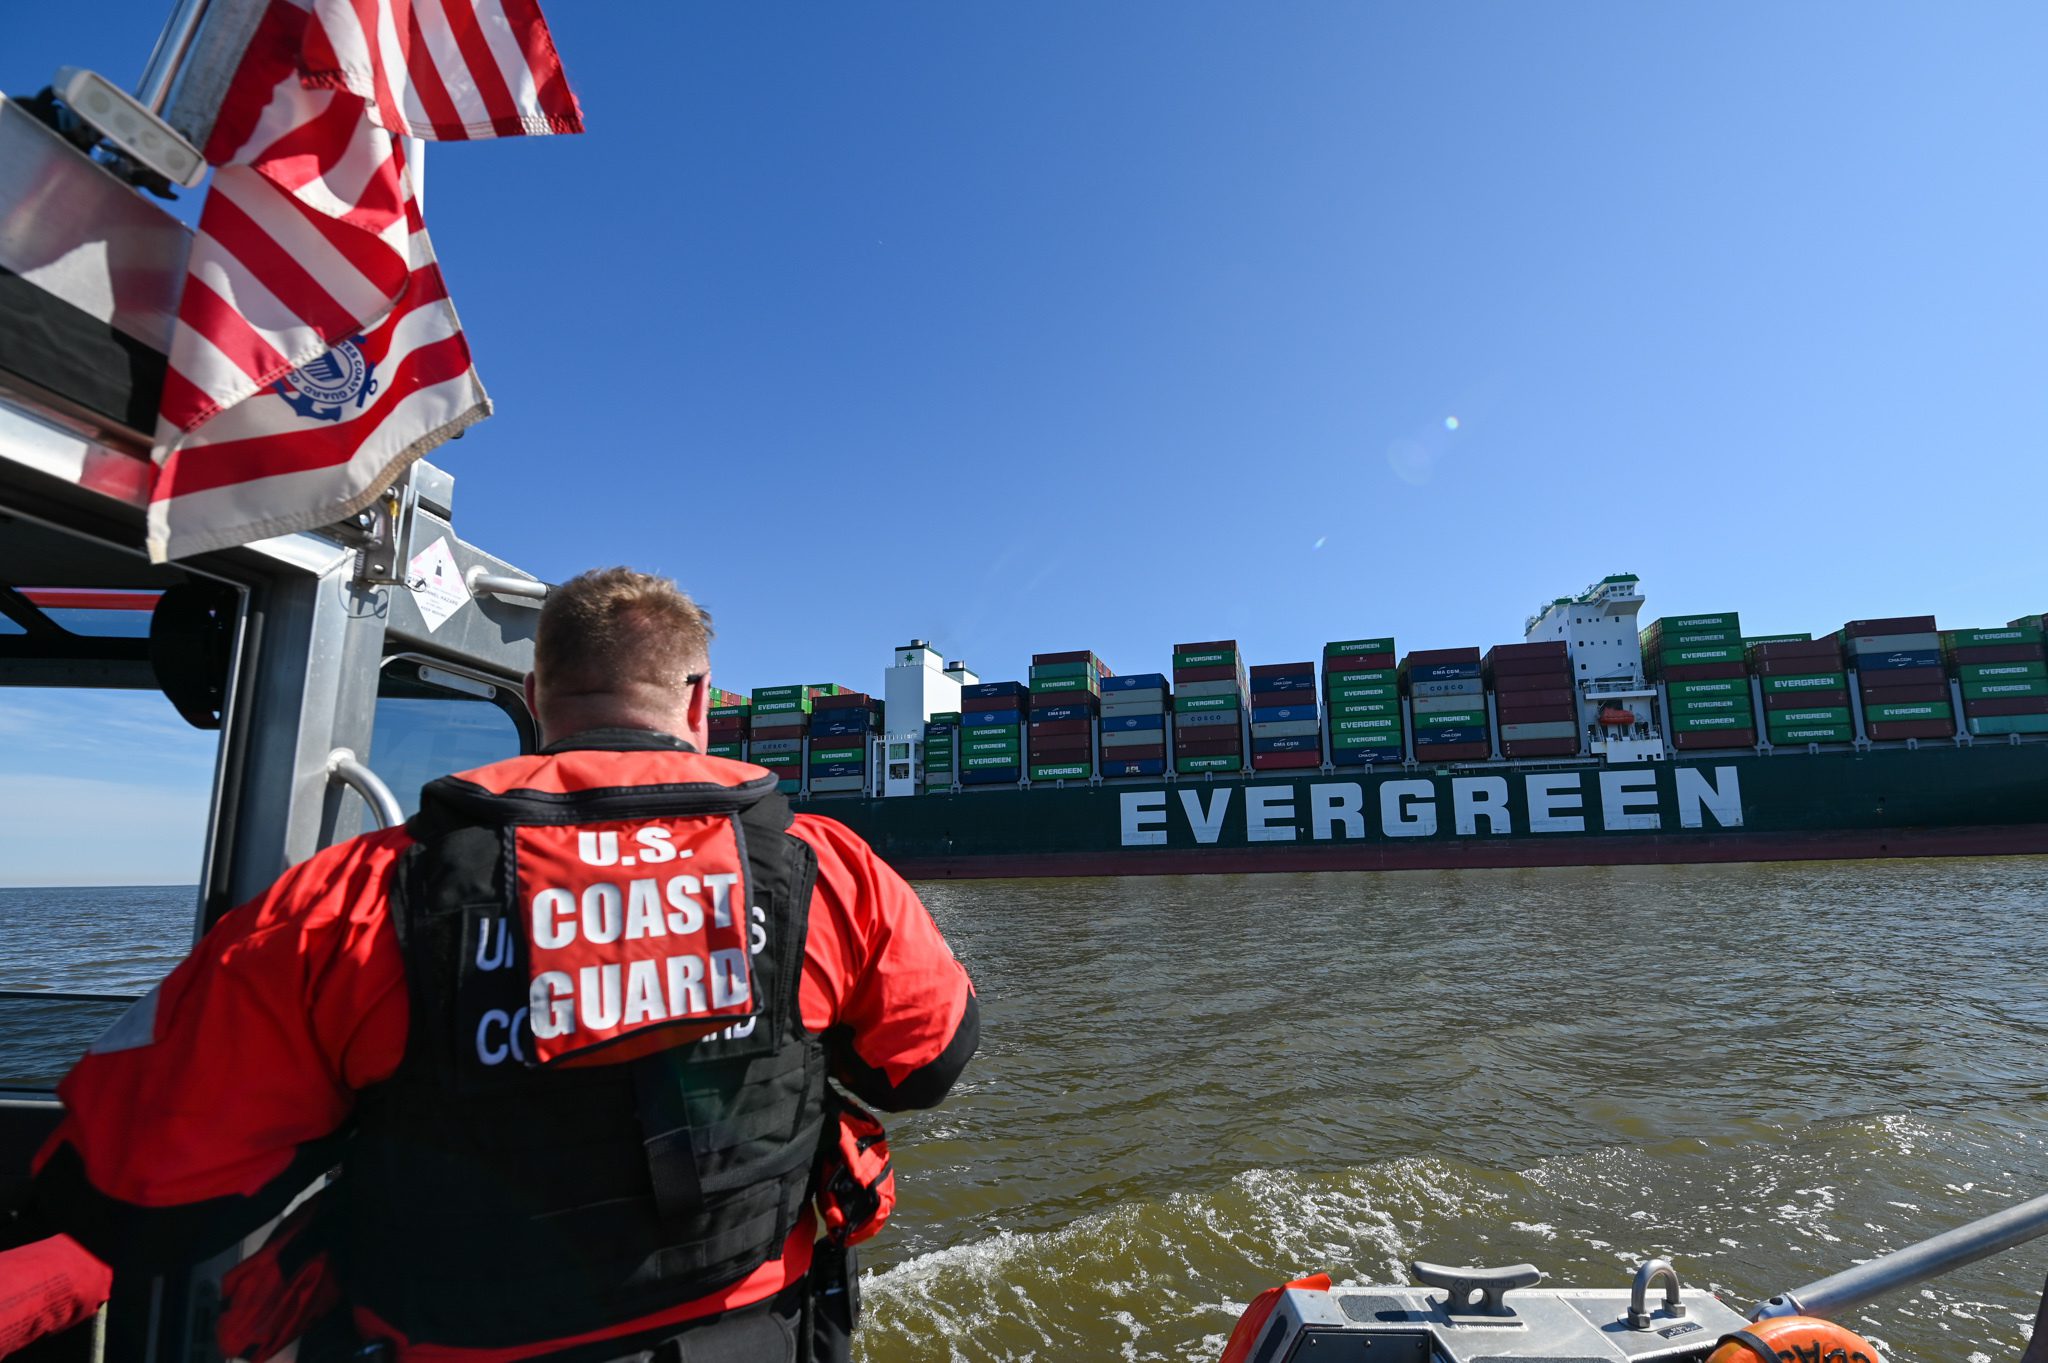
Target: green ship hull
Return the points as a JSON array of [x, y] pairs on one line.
[[1931, 801]]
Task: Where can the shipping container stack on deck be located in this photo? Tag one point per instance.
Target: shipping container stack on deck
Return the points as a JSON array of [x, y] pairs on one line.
[[2004, 677], [1447, 704], [1900, 678], [842, 726], [775, 740], [1208, 707], [941, 744], [991, 743], [1535, 698], [1704, 666], [1134, 711], [1287, 730], [1362, 702], [1806, 692], [729, 710], [1066, 699]]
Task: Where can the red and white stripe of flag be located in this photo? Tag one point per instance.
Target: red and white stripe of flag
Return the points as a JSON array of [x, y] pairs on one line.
[[317, 353]]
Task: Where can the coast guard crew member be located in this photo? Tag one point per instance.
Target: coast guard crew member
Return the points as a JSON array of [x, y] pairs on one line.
[[568, 1031]]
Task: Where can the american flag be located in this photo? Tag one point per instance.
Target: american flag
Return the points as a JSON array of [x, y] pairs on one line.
[[316, 353]]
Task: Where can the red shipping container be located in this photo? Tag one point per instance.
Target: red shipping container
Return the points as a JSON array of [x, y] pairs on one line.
[[1912, 728], [1206, 747], [1264, 670], [1824, 649], [1897, 624], [1539, 747], [1430, 657], [1535, 681], [1285, 761], [1809, 665], [1452, 752], [1538, 714], [1904, 695], [1136, 752], [2005, 705], [1561, 695], [1524, 667], [1705, 672], [1078, 655], [1689, 740], [779, 731], [1060, 751], [1222, 672], [1543, 648], [1209, 646], [1835, 698], [1053, 700], [845, 700], [1015, 702], [1899, 676], [1060, 728], [1359, 662], [1998, 653]]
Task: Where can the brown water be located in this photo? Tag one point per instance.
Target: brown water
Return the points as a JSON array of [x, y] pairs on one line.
[[1192, 1087]]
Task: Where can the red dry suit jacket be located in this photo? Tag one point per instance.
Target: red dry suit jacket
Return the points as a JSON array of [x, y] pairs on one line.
[[204, 1109]]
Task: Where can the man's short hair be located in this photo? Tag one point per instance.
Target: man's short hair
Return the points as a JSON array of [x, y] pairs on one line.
[[612, 626]]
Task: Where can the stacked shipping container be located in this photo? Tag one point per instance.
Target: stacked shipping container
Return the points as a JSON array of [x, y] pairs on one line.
[[781, 717], [842, 723], [2004, 677], [992, 733], [1362, 702], [1447, 702], [1900, 677], [1208, 707], [1702, 661], [941, 738], [1066, 697], [728, 724], [1134, 711], [1806, 692], [1287, 734], [1535, 698]]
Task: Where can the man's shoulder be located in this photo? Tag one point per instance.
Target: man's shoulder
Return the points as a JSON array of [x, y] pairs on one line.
[[348, 879], [829, 836]]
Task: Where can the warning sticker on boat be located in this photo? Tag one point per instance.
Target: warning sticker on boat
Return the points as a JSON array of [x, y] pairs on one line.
[[437, 586]]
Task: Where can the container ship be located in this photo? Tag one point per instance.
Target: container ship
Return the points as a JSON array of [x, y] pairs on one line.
[[1593, 740]]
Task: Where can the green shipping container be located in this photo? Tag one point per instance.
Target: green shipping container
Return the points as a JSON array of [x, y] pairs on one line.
[[1899, 714], [1062, 772], [1704, 653], [1008, 731], [1051, 685], [778, 759], [1814, 733], [982, 747], [731, 711], [1190, 765], [1833, 716], [766, 709], [1994, 672], [1351, 727], [1183, 705], [1347, 647], [1726, 686], [1698, 638], [1222, 658], [1696, 723], [945, 717], [1731, 621], [1809, 681], [1991, 638], [1711, 705], [1008, 759], [2003, 690], [724, 749], [1451, 719], [823, 755], [762, 693], [1752, 640], [1373, 690], [1992, 725], [1047, 671], [1389, 706]]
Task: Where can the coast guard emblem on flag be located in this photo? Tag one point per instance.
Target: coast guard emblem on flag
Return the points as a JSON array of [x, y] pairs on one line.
[[319, 390]]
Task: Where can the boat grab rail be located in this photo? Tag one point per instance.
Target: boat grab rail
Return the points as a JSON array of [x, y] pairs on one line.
[[344, 768]]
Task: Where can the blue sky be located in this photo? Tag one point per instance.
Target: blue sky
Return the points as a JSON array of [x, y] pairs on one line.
[[1036, 327]]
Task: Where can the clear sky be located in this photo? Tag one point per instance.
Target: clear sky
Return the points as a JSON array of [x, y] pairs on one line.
[[1061, 325]]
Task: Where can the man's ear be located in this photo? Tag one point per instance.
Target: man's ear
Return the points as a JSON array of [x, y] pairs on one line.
[[527, 689], [700, 702]]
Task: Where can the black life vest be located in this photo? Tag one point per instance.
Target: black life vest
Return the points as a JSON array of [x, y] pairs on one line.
[[495, 1202]]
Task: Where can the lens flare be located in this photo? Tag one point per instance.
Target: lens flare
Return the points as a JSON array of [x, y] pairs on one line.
[[1450, 423]]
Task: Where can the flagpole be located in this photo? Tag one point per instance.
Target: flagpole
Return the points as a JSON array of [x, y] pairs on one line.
[[416, 168]]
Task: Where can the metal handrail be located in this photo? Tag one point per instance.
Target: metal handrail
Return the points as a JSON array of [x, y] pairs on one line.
[[1852, 1287], [481, 583], [344, 768]]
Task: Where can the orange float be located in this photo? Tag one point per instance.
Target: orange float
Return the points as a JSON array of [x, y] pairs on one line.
[[1794, 1339]]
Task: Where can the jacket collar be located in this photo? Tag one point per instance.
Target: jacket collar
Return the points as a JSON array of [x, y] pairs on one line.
[[618, 740]]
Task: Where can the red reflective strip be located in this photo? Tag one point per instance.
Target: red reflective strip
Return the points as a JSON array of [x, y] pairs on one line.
[[59, 598]]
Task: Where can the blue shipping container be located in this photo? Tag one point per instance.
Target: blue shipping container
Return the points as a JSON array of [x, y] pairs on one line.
[[1292, 681], [983, 690], [839, 728], [1063, 712], [1430, 738], [982, 719], [991, 776], [839, 769], [1139, 681], [1353, 757], [1144, 766], [1296, 743], [1280, 714], [1113, 724]]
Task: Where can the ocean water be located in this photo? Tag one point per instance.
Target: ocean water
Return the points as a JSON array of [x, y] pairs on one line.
[[1190, 1088]]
